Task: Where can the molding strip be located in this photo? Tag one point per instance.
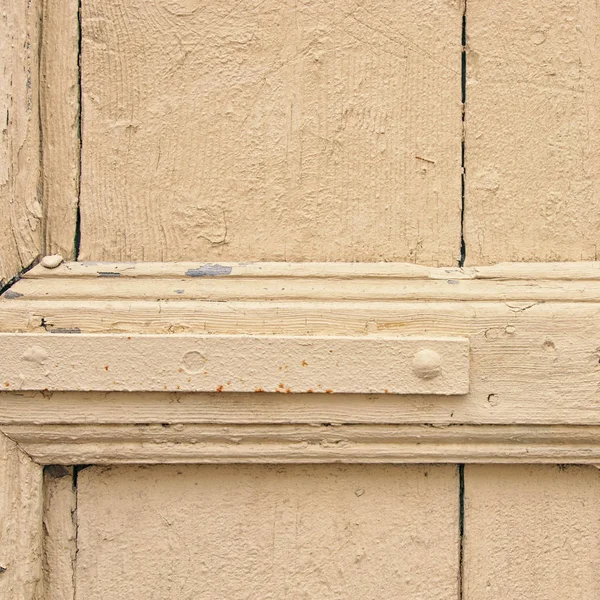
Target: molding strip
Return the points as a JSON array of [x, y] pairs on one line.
[[323, 443]]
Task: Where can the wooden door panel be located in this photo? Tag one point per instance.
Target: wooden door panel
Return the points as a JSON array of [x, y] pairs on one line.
[[319, 130], [531, 532], [532, 131], [256, 531]]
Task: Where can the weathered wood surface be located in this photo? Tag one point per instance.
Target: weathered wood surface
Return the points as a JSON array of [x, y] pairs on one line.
[[532, 131], [316, 289], [267, 532], [263, 130], [20, 190], [59, 96], [20, 524], [531, 532], [172, 442], [60, 533], [561, 271]]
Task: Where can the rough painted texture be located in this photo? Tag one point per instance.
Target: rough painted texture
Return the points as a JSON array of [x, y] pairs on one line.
[[227, 533], [533, 335], [20, 524], [531, 532], [59, 94], [236, 363], [533, 131], [20, 206], [59, 533], [319, 130]]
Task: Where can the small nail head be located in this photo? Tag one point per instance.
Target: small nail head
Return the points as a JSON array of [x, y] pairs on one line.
[[52, 261], [427, 364]]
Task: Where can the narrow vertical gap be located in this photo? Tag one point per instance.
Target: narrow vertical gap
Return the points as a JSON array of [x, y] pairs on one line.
[[463, 171], [461, 528], [77, 240], [76, 470]]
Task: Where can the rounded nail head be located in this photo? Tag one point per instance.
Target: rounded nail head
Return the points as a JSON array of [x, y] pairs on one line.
[[51, 262], [427, 364]]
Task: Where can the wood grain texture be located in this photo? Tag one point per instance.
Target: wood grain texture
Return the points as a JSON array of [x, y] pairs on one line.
[[20, 524], [20, 198], [227, 533], [531, 532], [59, 533], [317, 130], [533, 131], [59, 103]]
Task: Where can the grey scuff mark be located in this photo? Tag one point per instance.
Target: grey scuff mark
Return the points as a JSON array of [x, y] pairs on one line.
[[65, 330], [11, 295], [108, 274], [179, 291], [209, 270]]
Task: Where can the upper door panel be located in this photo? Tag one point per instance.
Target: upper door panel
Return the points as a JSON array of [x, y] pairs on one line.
[[320, 130]]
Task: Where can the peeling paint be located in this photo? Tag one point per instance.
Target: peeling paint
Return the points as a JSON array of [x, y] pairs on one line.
[[209, 270]]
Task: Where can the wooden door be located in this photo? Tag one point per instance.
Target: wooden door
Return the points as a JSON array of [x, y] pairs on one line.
[[271, 173]]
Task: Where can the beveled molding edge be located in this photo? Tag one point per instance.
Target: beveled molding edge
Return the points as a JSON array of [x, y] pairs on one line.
[[78, 444]]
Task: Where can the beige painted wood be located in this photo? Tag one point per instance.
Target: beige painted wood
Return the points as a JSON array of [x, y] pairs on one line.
[[177, 443], [532, 131], [532, 361], [60, 533], [227, 533], [317, 289], [376, 364], [531, 532], [562, 271], [318, 130], [59, 95], [20, 523], [20, 197]]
